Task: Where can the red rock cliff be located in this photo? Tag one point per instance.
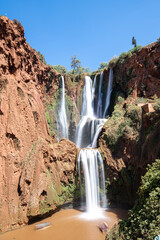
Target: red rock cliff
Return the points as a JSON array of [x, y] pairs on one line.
[[30, 162]]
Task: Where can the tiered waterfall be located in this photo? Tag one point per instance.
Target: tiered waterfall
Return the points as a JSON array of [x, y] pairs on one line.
[[90, 162]]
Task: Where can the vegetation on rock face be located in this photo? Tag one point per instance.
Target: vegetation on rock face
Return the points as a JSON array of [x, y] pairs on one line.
[[129, 140], [60, 69], [41, 57], [144, 218], [51, 112], [123, 56], [125, 122], [103, 65], [17, 22]]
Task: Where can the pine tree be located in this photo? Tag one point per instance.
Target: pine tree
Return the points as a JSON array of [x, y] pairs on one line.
[[134, 42]]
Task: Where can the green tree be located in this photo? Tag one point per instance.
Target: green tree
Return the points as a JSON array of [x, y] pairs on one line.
[[41, 57], [75, 64], [103, 65], [134, 42], [60, 68], [87, 70]]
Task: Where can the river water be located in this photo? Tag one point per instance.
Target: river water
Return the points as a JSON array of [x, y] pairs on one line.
[[67, 225]]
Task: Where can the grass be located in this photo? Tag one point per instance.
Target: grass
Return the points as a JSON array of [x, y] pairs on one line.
[[31, 152]]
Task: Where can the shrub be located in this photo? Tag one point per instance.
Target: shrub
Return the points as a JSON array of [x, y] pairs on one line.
[[60, 68], [103, 65], [157, 107], [120, 99], [122, 57], [17, 22], [158, 40], [112, 62], [41, 57], [135, 49], [144, 218], [124, 123]]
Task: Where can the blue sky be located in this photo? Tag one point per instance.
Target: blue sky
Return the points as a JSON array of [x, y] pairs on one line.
[[93, 30]]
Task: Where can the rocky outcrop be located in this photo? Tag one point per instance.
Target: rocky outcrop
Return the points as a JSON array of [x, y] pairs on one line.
[[130, 140], [139, 74], [34, 168]]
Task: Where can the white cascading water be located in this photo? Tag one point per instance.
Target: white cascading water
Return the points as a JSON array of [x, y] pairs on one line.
[[87, 113], [109, 91], [99, 104], [62, 124], [90, 162], [87, 109]]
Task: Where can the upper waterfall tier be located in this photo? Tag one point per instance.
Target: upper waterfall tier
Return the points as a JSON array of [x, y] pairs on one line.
[[93, 111], [87, 108], [109, 91], [62, 124]]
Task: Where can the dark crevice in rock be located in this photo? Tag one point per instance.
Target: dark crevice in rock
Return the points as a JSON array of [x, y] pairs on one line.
[[19, 188], [1, 113], [28, 182], [15, 140], [44, 193], [36, 117], [20, 92]]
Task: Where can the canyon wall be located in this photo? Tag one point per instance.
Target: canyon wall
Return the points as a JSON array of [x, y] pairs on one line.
[[34, 168], [38, 174], [130, 138]]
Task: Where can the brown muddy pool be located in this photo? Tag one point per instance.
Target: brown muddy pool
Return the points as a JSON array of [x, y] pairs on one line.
[[67, 225]]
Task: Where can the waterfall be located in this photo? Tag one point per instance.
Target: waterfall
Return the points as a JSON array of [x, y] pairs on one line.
[[91, 163], [98, 130], [109, 91], [87, 108], [94, 94], [62, 124], [87, 113], [99, 104]]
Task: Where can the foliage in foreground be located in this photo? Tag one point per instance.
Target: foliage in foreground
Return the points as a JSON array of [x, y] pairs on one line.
[[144, 218]]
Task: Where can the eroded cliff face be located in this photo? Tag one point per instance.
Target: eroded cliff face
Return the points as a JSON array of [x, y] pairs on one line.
[[139, 74], [33, 166], [130, 138]]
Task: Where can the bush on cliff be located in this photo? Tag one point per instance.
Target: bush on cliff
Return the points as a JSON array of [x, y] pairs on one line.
[[60, 68], [125, 123], [41, 57], [17, 22], [123, 56], [103, 65], [144, 218]]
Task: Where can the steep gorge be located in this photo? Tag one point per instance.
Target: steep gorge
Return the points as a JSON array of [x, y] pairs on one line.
[[37, 172]]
